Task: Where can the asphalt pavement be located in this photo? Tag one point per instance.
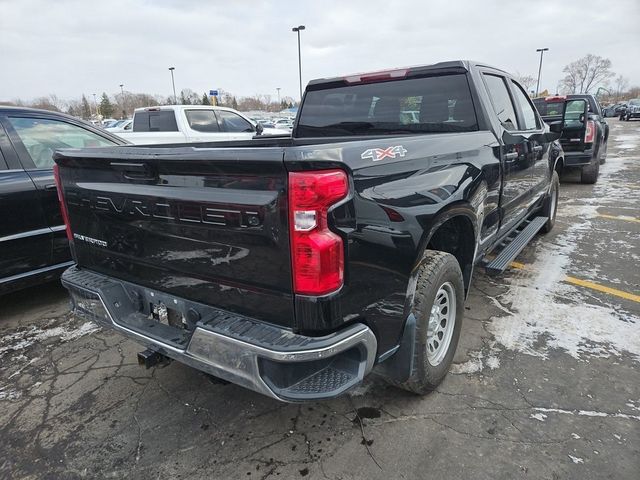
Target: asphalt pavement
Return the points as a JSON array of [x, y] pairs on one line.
[[545, 384]]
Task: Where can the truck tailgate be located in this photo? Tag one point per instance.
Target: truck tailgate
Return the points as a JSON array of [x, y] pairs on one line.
[[207, 225]]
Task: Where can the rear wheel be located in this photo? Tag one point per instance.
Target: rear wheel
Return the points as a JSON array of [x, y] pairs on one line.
[[590, 172], [438, 308], [550, 205]]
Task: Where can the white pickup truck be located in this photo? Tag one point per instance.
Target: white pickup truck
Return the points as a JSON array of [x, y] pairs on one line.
[[192, 123]]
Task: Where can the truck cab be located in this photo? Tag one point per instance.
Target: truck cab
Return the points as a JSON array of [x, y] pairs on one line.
[[191, 123]]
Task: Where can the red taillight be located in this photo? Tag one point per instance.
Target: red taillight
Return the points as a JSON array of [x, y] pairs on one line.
[[317, 253], [63, 207], [590, 133]]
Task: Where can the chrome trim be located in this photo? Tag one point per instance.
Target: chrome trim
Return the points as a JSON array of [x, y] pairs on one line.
[[36, 272], [237, 360], [30, 233]]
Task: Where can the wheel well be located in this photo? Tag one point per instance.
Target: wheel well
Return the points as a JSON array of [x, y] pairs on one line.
[[457, 237]]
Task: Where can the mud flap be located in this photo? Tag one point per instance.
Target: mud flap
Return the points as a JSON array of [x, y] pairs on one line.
[[398, 366]]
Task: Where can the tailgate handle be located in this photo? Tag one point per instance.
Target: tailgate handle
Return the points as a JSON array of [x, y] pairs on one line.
[[134, 171]]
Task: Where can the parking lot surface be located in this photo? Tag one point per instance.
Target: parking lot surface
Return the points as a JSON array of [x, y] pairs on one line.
[[545, 385]]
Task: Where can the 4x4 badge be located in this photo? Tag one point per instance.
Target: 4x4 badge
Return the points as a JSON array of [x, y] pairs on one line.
[[377, 154]]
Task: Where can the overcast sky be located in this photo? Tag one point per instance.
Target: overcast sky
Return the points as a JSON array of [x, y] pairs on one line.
[[70, 47]]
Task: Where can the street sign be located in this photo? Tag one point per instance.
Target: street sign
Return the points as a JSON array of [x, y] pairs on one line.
[[213, 93]]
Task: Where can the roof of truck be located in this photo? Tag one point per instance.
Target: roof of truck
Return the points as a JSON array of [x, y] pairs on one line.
[[453, 66], [182, 107]]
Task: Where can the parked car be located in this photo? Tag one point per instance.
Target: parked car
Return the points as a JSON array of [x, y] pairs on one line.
[[585, 133], [614, 110], [192, 123], [632, 110], [284, 124], [109, 122], [33, 244], [121, 126], [294, 265]]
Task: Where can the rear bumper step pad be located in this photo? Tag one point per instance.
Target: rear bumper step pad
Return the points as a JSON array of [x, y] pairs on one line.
[[259, 356]]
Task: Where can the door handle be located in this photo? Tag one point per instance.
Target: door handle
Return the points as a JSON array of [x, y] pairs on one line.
[[537, 148], [134, 171], [511, 156], [50, 187]]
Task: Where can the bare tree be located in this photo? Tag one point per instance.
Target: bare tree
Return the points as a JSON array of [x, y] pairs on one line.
[[44, 103], [527, 81], [621, 84], [586, 74]]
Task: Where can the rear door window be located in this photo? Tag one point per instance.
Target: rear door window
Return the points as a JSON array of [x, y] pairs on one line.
[[41, 137], [528, 113], [232, 122], [501, 101], [202, 120], [155, 121], [409, 106]]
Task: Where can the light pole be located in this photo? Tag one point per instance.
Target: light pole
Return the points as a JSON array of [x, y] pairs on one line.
[[95, 102], [278, 89], [297, 30], [541, 50], [175, 99], [123, 107]]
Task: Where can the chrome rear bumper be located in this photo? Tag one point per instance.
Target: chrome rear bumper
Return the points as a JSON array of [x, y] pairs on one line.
[[262, 357]]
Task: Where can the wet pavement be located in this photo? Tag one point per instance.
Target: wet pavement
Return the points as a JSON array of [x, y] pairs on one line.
[[545, 384]]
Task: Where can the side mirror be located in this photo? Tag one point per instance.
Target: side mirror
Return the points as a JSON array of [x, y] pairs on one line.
[[259, 129], [556, 127]]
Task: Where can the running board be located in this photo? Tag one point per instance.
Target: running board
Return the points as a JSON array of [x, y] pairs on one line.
[[514, 246]]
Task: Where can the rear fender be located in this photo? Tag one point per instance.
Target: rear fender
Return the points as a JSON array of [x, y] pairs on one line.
[[460, 209], [397, 364]]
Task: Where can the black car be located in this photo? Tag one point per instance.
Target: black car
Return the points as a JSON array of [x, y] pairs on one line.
[[585, 133], [33, 244]]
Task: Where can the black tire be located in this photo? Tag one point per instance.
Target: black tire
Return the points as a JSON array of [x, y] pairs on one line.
[[439, 270], [550, 205], [590, 172]]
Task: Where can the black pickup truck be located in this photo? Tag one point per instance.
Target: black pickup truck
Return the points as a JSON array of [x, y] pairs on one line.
[[295, 265], [585, 132]]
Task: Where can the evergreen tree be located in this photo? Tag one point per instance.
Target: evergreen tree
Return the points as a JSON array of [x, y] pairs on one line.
[[106, 107], [234, 103], [205, 99], [86, 108]]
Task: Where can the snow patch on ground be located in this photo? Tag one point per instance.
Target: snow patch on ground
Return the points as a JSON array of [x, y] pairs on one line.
[[588, 413], [23, 339], [546, 313], [478, 361], [9, 394], [576, 459], [538, 416]]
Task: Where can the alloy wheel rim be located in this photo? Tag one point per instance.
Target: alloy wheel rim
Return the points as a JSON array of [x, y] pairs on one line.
[[442, 321]]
